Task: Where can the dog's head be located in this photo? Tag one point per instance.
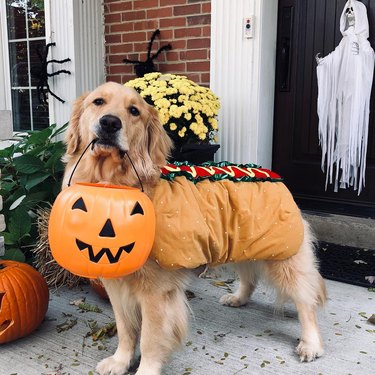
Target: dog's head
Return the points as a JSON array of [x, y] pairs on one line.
[[121, 122]]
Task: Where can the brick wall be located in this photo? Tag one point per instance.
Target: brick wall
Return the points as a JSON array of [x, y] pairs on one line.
[[185, 24]]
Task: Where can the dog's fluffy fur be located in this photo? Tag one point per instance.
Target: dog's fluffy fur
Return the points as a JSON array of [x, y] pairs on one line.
[[150, 305]]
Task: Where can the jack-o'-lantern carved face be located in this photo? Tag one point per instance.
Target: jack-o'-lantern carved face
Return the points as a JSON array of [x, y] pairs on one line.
[[23, 300], [101, 231], [5, 323]]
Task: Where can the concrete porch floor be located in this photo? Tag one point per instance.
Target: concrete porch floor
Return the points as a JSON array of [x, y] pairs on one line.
[[226, 341]]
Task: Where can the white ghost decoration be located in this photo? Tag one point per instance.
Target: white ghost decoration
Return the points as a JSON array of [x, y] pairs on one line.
[[344, 88]]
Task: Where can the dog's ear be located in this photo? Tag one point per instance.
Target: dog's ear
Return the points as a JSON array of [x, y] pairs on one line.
[[159, 143], [72, 137]]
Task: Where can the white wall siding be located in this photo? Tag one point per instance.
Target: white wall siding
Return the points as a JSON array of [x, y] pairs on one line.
[[77, 28], [266, 81], [5, 97], [243, 75], [89, 44]]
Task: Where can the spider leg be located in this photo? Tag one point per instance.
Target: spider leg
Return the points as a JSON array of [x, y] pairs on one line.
[[131, 61], [59, 61], [168, 47], [38, 92], [53, 94], [48, 46], [41, 93], [45, 98], [154, 34], [58, 72]]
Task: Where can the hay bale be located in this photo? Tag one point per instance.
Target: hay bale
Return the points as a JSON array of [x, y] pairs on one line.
[[55, 275], [2, 227]]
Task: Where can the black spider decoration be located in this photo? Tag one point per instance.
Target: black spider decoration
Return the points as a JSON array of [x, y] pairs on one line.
[[143, 67], [42, 87]]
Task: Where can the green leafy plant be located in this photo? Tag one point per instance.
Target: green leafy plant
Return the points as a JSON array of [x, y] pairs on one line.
[[31, 169]]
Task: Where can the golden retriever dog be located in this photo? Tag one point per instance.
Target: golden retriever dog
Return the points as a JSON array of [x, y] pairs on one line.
[[150, 305]]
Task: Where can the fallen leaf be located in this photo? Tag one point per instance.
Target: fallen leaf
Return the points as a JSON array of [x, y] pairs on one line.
[[99, 333], [85, 307], [68, 324], [57, 371], [219, 283], [76, 302], [189, 294]]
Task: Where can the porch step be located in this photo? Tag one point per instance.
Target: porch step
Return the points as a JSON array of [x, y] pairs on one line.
[[342, 230]]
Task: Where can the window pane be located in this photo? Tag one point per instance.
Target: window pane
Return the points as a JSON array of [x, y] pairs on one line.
[[35, 61], [36, 22], [40, 112], [25, 21], [18, 64], [16, 19], [21, 110]]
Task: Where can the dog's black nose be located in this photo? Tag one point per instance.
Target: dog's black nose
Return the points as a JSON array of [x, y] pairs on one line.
[[110, 124]]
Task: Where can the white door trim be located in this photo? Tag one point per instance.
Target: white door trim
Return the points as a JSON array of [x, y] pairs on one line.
[[5, 95], [243, 76]]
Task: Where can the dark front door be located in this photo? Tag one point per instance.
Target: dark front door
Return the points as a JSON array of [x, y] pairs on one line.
[[306, 27]]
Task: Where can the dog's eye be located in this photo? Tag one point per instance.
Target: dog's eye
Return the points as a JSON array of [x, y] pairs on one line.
[[133, 111], [99, 101]]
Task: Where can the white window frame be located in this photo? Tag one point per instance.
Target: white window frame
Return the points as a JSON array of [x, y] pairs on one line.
[[6, 125], [67, 23], [5, 96]]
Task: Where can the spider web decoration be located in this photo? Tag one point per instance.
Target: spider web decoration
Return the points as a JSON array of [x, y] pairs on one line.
[[143, 67], [42, 75]]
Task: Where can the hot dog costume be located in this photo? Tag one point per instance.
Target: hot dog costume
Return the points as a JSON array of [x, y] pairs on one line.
[[217, 213]]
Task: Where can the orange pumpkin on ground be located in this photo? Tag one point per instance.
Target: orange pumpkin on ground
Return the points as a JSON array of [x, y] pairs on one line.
[[98, 230], [24, 299]]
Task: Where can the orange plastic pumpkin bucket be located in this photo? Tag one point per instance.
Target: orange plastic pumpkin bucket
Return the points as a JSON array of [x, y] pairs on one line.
[[98, 230]]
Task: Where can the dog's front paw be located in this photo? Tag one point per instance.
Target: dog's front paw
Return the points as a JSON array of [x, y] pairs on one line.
[[112, 366], [233, 300], [309, 351]]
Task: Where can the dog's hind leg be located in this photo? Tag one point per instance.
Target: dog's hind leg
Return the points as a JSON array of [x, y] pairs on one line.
[[247, 271], [298, 278], [127, 317], [164, 325]]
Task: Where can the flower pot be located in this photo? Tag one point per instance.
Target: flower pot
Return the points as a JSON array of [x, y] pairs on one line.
[[194, 153]]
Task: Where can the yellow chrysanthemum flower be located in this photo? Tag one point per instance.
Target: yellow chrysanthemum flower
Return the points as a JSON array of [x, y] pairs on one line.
[[193, 126], [162, 103], [181, 133], [186, 109], [202, 136]]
